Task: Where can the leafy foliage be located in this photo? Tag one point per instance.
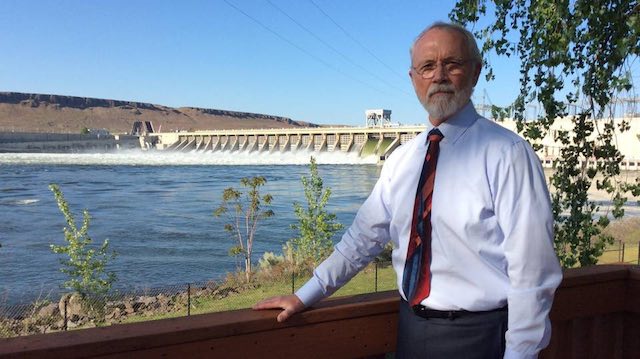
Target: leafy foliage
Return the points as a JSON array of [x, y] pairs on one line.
[[315, 226], [269, 260], [243, 212], [85, 265], [570, 52]]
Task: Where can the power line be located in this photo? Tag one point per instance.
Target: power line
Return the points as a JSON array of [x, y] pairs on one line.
[[355, 40], [302, 49], [334, 49]]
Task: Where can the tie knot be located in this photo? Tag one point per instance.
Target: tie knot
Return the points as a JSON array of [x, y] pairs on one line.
[[435, 135]]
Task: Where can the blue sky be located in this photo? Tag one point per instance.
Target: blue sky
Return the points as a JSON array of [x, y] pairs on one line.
[[210, 54]]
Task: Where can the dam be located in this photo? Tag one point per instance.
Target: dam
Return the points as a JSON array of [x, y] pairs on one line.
[[378, 138], [366, 141]]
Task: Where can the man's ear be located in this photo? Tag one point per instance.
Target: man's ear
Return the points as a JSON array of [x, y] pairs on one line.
[[413, 82], [476, 73]]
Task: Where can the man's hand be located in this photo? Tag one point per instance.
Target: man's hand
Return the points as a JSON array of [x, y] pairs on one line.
[[290, 303]]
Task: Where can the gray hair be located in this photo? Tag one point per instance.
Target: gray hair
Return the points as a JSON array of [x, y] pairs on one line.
[[469, 39]]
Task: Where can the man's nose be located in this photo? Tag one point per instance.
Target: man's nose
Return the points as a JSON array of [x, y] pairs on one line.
[[440, 74]]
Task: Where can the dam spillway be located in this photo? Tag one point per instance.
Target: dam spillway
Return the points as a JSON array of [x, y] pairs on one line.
[[365, 141]]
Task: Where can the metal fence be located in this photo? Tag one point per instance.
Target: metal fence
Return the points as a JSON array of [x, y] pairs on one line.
[[54, 312], [621, 252]]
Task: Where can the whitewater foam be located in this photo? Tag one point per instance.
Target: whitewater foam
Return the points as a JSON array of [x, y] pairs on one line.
[[170, 158], [20, 202]]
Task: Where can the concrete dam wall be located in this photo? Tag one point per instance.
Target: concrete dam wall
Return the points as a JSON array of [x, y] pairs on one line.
[[366, 141]]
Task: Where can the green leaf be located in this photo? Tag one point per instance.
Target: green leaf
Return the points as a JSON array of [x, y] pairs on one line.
[[249, 208], [84, 266]]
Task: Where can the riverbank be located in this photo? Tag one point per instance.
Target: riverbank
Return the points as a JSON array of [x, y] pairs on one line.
[[72, 312], [50, 315]]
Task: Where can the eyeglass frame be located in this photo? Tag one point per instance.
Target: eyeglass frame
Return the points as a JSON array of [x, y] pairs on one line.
[[421, 71]]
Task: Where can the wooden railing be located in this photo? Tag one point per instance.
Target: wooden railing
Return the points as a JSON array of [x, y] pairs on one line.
[[596, 314]]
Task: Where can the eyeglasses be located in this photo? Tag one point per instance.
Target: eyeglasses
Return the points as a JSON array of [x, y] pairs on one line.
[[451, 67]]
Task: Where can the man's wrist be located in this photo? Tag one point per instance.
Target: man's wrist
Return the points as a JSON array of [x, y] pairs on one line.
[[310, 293]]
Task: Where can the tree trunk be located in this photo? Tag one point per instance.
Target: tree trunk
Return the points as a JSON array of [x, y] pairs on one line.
[[247, 267]]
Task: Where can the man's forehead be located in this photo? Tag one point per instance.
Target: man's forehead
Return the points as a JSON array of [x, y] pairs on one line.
[[440, 43], [442, 33]]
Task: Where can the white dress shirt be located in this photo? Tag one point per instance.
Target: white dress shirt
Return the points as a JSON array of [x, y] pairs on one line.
[[492, 228]]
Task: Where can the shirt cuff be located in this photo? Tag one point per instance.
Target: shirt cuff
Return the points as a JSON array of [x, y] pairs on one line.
[[310, 293], [512, 354]]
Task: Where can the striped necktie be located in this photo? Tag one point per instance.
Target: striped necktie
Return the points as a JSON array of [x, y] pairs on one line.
[[417, 275]]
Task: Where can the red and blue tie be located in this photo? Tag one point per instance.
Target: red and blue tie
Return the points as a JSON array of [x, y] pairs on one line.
[[417, 275]]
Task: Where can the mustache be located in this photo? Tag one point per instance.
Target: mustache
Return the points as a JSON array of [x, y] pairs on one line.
[[440, 88]]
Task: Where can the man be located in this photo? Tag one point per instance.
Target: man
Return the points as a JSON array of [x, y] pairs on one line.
[[471, 224]]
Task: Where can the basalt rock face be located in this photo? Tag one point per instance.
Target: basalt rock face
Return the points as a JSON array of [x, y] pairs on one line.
[[25, 112], [35, 100]]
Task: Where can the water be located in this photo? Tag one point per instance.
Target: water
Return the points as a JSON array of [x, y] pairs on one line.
[[156, 209]]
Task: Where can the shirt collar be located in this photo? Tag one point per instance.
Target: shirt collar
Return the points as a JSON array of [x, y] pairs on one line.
[[457, 124]]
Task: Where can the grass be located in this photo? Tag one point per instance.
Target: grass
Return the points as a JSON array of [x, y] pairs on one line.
[[614, 254], [626, 230], [364, 282]]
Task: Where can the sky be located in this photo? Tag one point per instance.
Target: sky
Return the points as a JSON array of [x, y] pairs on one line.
[[321, 61]]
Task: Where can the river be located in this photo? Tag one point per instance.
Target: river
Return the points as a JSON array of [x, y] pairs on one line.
[[156, 209]]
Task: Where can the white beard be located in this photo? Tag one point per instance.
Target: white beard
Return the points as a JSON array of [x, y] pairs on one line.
[[444, 106]]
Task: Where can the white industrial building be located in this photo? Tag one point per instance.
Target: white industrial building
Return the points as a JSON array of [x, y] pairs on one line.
[[627, 142]]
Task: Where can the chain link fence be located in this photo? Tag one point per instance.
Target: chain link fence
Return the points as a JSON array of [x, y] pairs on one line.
[[53, 312]]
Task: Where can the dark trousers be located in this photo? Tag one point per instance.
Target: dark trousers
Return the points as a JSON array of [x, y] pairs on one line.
[[471, 336]]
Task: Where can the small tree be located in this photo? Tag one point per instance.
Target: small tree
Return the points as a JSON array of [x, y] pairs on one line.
[[85, 266], [243, 216], [315, 225]]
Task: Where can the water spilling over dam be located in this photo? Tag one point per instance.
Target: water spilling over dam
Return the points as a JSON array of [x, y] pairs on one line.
[[363, 141]]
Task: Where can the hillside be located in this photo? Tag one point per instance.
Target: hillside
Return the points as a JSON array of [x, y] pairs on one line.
[[23, 112]]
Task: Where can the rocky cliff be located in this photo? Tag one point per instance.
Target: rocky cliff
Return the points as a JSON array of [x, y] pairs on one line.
[[24, 112]]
